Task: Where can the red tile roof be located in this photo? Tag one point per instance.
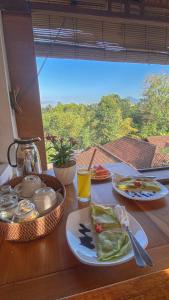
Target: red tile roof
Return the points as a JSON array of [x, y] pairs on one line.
[[136, 152], [101, 157], [160, 160], [133, 151], [160, 141]]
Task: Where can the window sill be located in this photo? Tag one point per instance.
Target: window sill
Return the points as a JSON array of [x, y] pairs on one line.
[[162, 174]]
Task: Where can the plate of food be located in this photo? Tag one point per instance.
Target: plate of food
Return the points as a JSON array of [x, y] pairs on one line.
[[99, 173], [96, 238], [139, 188]]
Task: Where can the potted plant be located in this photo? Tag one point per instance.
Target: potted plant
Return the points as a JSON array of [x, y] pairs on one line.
[[61, 152]]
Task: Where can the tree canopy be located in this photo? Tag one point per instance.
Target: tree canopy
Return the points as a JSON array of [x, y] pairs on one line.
[[112, 117], [154, 106]]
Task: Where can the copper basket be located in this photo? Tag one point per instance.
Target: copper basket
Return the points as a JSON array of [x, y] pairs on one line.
[[41, 226]]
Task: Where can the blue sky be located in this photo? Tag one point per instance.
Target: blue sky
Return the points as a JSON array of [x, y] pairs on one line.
[[83, 81]]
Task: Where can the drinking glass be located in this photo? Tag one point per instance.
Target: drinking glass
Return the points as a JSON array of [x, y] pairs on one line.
[[84, 185]]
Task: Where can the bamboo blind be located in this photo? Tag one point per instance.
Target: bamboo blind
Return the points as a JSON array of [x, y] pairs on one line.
[[103, 4], [83, 38], [94, 4]]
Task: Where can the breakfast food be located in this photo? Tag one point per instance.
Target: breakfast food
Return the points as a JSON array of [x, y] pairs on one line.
[[137, 184], [100, 173], [111, 241]]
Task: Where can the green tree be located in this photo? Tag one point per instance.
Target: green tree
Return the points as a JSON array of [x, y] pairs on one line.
[[127, 107], [154, 107], [69, 120], [113, 117], [110, 123], [90, 124]]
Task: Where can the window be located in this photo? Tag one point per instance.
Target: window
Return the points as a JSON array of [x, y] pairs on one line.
[[121, 128]]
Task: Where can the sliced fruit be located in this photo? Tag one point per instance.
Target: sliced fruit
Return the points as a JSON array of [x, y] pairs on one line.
[[98, 228]]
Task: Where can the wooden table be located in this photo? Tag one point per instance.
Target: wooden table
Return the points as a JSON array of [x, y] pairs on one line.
[[46, 268]]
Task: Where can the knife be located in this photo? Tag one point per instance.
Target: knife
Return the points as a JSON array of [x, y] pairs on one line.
[[141, 256]]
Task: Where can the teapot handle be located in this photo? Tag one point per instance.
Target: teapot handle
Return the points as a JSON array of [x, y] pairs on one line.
[[8, 155]]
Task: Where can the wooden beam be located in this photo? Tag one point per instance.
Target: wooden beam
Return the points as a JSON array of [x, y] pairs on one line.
[[75, 11], [160, 4], [22, 69], [109, 5], [127, 7], [14, 6], [142, 6]]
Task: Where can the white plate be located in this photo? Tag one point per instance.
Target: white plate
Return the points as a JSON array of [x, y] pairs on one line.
[[100, 179], [146, 195], [88, 256]]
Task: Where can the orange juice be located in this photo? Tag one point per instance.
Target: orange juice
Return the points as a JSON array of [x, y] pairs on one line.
[[83, 183]]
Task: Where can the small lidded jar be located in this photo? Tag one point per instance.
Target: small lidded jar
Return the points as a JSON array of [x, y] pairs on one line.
[[8, 206], [25, 211]]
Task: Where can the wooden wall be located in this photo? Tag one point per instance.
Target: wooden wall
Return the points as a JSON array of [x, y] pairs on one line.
[[23, 74]]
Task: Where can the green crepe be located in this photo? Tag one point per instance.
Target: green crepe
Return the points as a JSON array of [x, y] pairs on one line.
[[130, 186], [104, 216], [110, 243]]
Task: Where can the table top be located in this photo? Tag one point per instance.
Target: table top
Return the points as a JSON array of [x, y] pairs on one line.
[[46, 268], [148, 287]]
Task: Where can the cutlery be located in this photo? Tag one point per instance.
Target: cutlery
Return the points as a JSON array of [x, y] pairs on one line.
[[138, 258], [141, 256], [140, 249]]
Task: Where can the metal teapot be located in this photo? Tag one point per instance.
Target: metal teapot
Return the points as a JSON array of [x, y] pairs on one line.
[[27, 156]]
